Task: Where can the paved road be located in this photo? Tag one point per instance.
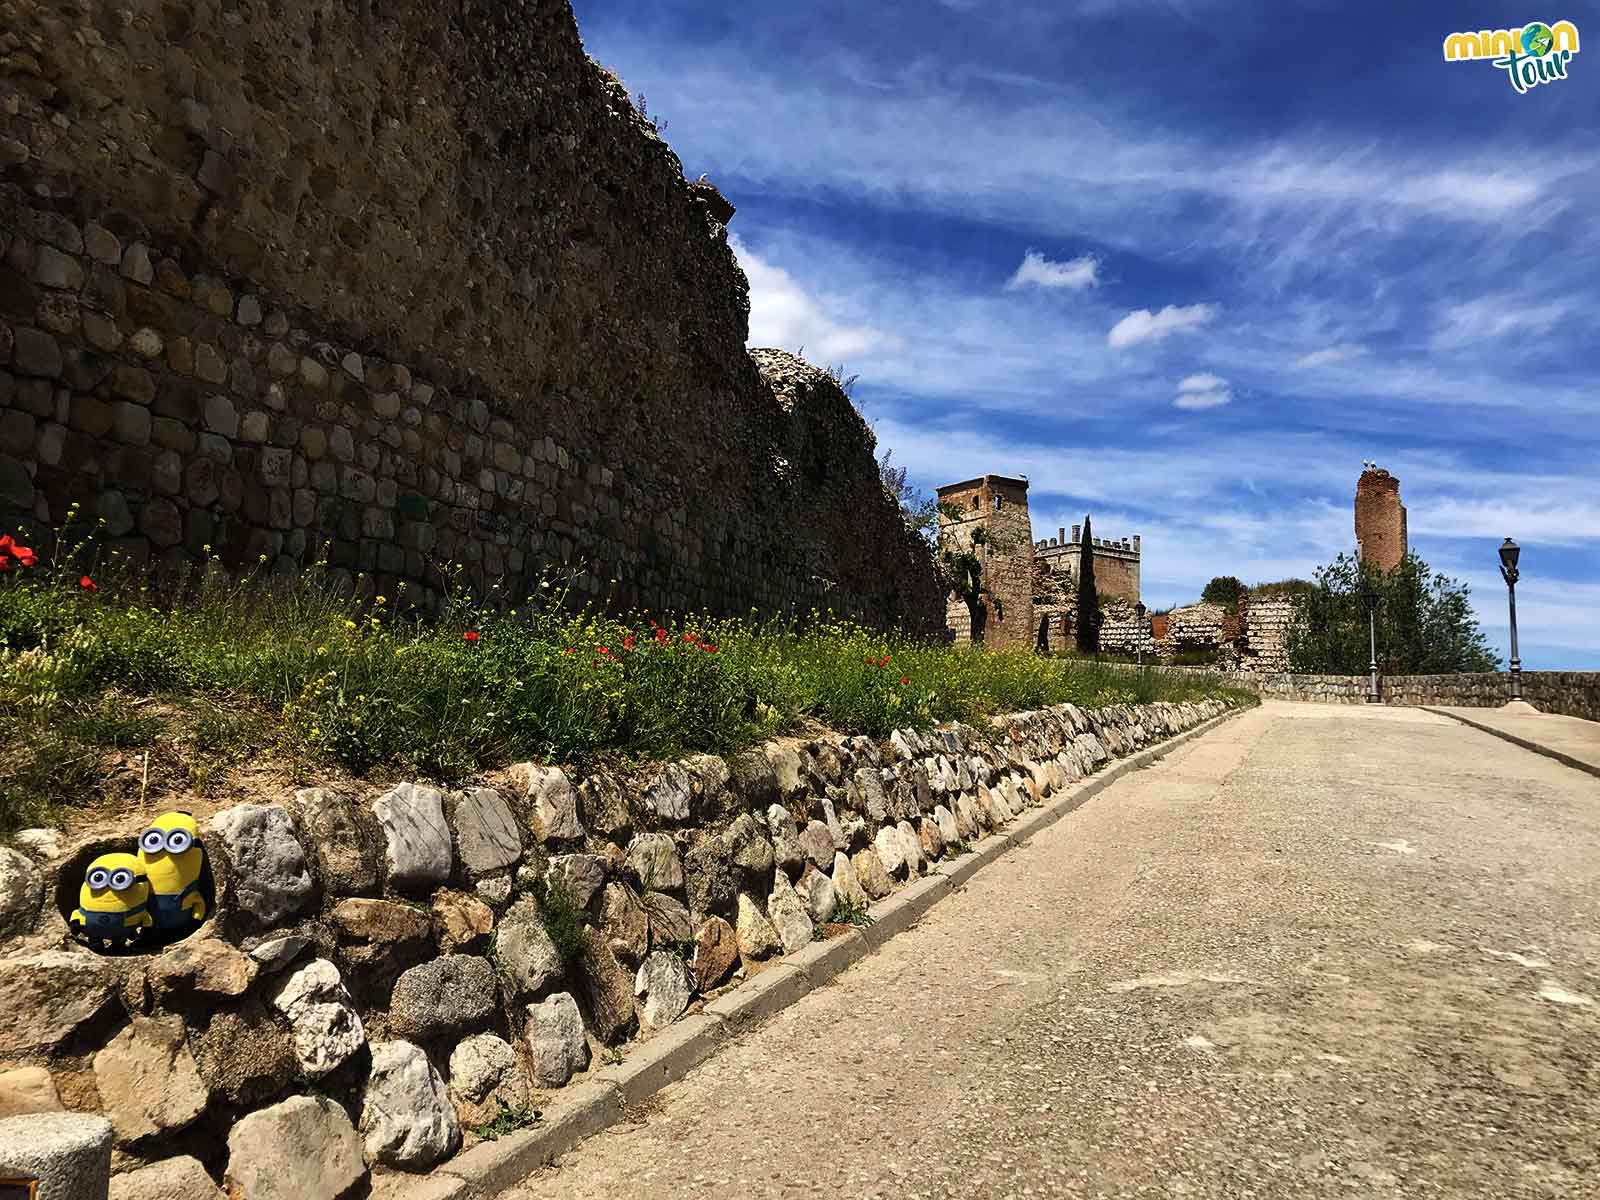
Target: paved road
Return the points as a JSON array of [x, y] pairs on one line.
[[1322, 951]]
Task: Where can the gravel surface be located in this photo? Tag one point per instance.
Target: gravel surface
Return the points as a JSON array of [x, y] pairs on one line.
[[1321, 951]]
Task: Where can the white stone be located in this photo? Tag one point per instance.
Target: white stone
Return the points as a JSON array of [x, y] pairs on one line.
[[483, 1072], [556, 1043], [653, 861], [663, 987], [552, 805], [819, 895], [268, 879], [910, 847], [181, 1178], [416, 837], [847, 888], [487, 837], [756, 936], [407, 1119], [21, 893], [891, 851], [327, 1030], [304, 1147], [528, 959], [788, 915]]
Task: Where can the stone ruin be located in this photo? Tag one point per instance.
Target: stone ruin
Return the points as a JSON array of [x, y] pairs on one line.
[[408, 285]]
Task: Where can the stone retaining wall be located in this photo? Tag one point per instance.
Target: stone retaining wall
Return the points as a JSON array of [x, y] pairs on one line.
[[415, 281], [383, 974]]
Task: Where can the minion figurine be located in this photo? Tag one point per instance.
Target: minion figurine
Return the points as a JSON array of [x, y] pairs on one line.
[[173, 861], [113, 903]]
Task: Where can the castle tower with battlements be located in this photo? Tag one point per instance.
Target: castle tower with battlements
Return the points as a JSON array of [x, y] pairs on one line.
[[999, 506], [1380, 518]]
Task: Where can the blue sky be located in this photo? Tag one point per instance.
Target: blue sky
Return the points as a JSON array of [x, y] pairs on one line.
[[1183, 263]]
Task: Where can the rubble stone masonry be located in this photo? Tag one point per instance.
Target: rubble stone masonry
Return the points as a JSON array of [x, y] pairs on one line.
[[417, 281]]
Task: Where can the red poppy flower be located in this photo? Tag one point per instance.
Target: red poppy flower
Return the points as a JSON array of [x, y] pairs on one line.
[[5, 563], [470, 635], [628, 643], [603, 649], [661, 635], [87, 584], [25, 556], [689, 637], [708, 649], [6, 542], [884, 661], [568, 650], [905, 679]]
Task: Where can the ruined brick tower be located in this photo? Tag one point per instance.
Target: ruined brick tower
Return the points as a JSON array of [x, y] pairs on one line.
[[1380, 518], [999, 506]]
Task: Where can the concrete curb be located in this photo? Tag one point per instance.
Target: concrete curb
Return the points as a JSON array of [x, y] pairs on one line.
[[492, 1167], [596, 1104], [1566, 759]]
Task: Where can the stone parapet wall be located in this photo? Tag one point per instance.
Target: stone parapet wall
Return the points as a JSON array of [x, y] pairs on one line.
[[380, 974], [1569, 693], [414, 281]]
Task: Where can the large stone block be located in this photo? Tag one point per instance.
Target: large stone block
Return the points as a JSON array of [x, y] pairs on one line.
[[47, 995], [417, 840], [268, 879], [148, 1083], [304, 1147], [407, 1119]]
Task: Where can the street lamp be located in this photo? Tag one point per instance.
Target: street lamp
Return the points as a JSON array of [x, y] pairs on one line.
[[1509, 553], [1138, 645], [1369, 597]]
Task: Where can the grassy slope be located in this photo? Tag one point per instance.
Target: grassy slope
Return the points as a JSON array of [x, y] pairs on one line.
[[96, 686]]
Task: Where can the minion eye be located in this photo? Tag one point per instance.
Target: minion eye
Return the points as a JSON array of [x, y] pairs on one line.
[[178, 841], [99, 877], [152, 841], [121, 880]]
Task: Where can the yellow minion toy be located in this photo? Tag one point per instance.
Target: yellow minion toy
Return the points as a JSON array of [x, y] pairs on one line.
[[173, 861], [113, 902]]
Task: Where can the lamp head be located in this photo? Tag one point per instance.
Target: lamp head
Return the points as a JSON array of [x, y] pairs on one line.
[[1369, 596], [1509, 553]]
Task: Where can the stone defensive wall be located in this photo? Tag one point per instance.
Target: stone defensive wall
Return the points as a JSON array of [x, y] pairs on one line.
[[381, 975], [413, 280], [1570, 693]]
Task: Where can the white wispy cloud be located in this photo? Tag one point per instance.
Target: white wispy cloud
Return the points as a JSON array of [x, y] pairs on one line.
[[1331, 356], [1196, 392], [1491, 317], [1142, 325], [1038, 271], [785, 315]]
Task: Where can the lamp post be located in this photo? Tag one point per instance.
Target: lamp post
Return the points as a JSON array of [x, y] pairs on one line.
[[1138, 646], [1509, 553], [1369, 597]]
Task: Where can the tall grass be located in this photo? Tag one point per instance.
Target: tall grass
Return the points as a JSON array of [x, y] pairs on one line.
[[369, 682]]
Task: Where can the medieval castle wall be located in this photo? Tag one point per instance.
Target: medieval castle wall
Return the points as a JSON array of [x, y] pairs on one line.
[[413, 280]]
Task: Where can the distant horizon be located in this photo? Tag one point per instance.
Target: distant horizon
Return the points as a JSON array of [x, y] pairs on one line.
[[1192, 292]]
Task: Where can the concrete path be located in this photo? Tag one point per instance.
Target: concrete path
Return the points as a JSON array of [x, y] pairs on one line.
[[1569, 739], [1322, 951]]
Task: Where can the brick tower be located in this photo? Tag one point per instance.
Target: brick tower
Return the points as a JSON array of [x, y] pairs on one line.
[[1000, 506], [1380, 518]]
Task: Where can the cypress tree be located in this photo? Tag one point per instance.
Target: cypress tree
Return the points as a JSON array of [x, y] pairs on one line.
[[1088, 615]]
